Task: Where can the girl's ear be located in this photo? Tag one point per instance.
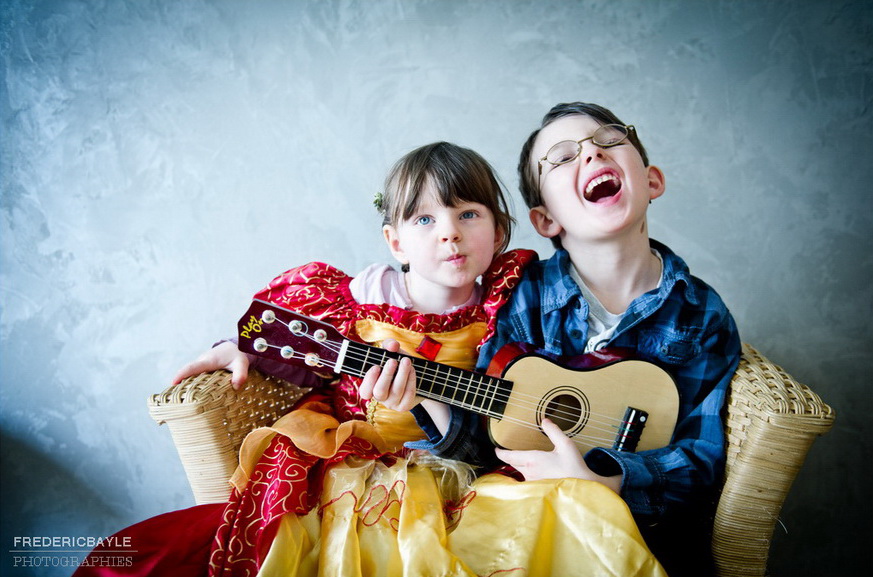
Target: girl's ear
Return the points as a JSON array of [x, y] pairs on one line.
[[543, 222], [657, 185], [499, 236], [392, 239]]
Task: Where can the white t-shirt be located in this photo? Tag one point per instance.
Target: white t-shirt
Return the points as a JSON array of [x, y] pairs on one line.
[[601, 322]]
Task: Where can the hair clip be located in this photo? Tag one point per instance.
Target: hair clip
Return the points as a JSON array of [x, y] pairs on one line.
[[379, 201]]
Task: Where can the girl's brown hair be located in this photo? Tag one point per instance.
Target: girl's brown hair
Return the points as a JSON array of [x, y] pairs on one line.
[[458, 175]]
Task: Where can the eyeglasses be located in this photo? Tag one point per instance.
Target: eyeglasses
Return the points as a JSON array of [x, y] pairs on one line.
[[567, 151]]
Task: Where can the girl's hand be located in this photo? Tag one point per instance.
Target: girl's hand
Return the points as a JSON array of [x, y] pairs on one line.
[[565, 461], [223, 356], [393, 384]]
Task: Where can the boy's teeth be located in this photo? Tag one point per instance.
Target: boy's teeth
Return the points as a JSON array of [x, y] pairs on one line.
[[599, 180]]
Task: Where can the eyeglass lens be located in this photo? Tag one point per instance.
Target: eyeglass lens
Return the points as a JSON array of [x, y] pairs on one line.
[[605, 136]]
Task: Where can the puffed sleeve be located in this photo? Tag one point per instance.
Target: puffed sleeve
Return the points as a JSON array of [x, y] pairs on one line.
[[499, 281], [316, 290]]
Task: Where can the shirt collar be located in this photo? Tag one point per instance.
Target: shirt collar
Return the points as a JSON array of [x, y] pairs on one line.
[[559, 287], [675, 271]]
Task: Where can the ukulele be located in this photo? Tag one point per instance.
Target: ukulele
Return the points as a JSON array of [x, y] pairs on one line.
[[626, 405]]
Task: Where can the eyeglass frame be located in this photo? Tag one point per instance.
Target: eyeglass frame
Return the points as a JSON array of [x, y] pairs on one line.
[[628, 129]]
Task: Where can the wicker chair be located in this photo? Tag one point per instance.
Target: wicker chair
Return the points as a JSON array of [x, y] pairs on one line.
[[772, 420]]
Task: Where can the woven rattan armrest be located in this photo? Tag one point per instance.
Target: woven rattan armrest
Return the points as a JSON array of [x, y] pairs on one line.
[[208, 420], [772, 420]]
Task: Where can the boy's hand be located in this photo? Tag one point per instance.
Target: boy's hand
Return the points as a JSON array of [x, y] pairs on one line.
[[393, 384], [223, 356], [565, 461]]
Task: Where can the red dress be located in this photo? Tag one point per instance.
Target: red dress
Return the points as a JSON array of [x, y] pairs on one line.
[[329, 425], [286, 473]]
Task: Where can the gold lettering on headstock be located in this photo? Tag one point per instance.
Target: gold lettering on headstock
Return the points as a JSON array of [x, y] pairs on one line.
[[254, 324]]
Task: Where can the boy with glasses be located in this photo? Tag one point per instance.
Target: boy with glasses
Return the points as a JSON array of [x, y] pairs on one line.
[[588, 183]]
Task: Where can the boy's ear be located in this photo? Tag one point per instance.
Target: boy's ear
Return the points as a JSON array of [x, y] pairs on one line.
[[657, 185], [392, 239], [543, 222]]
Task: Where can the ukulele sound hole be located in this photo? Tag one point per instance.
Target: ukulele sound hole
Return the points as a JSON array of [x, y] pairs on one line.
[[564, 411], [568, 411]]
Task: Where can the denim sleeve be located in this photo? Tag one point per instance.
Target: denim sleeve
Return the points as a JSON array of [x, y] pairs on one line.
[[465, 440], [684, 472]]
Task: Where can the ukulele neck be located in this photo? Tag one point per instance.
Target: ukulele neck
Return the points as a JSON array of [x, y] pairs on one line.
[[476, 392]]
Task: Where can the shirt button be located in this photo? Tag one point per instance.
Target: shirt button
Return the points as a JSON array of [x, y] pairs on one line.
[[576, 334]]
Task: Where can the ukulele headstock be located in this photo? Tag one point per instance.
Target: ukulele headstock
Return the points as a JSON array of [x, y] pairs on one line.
[[276, 333]]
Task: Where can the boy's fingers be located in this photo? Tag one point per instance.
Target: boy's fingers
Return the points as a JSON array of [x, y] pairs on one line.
[[503, 455], [515, 458], [555, 434]]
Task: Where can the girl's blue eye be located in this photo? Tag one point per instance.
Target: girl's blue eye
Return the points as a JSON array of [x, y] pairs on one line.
[[423, 220], [469, 214]]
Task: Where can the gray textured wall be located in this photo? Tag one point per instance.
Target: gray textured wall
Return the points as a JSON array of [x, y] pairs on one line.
[[162, 160]]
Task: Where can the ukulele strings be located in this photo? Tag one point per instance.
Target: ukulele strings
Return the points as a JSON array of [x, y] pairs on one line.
[[597, 422], [425, 371], [528, 401], [605, 424], [520, 399]]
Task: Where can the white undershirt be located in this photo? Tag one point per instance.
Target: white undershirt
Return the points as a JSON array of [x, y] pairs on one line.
[[601, 322]]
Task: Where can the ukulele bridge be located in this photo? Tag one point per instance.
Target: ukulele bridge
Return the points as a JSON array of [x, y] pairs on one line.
[[631, 430]]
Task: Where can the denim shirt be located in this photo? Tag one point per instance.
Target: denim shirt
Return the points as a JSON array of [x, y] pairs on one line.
[[683, 326]]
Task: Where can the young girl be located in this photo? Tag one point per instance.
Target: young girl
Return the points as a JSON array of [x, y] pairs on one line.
[[326, 486], [327, 490]]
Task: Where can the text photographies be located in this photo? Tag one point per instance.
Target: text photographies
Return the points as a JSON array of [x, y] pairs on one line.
[[67, 551]]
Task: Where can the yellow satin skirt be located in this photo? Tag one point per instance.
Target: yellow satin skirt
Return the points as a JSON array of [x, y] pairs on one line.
[[379, 520]]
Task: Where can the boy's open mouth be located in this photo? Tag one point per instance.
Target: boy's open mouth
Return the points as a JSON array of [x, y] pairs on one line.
[[603, 186]]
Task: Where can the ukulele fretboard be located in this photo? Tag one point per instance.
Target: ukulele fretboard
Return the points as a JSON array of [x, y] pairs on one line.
[[465, 389]]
